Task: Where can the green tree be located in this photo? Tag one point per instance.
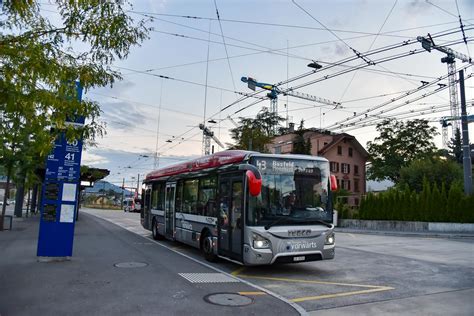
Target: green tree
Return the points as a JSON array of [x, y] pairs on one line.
[[300, 145], [438, 171], [455, 147], [41, 60], [254, 134], [398, 144]]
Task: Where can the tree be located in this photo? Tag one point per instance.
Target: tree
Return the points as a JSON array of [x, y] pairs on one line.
[[398, 144], [300, 145], [455, 147], [253, 134], [436, 171], [41, 60]]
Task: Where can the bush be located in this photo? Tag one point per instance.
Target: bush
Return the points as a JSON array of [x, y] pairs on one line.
[[432, 204]]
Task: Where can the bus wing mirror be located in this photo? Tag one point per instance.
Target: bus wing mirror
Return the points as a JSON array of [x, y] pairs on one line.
[[254, 179], [333, 181]]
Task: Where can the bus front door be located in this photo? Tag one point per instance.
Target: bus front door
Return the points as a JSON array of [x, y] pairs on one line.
[[169, 209], [230, 226]]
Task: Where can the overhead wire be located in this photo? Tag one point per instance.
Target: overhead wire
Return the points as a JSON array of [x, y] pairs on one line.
[[365, 114], [388, 33], [225, 45], [356, 52], [370, 47], [462, 29]]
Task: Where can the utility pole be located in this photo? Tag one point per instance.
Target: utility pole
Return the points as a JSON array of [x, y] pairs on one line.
[[123, 192], [138, 184], [466, 152]]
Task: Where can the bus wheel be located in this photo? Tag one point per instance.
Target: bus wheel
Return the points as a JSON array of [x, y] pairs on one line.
[[154, 230], [207, 248]]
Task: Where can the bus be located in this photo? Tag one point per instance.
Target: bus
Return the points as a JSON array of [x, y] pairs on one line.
[[246, 207]]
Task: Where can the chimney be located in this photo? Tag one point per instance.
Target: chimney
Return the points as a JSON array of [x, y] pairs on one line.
[[291, 127]]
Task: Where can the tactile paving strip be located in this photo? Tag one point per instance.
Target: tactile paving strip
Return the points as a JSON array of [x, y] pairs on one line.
[[208, 278]]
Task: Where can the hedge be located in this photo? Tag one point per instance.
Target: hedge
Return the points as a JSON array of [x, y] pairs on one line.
[[432, 204]]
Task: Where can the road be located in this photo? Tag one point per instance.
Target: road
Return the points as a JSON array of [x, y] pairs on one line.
[[371, 274]]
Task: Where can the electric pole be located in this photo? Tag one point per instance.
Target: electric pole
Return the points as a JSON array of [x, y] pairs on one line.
[[466, 152]]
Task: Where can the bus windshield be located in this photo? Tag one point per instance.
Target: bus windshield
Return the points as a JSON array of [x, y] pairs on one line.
[[294, 192]]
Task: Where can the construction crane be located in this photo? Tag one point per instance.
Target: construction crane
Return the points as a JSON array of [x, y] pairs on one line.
[[275, 91], [450, 60], [232, 120], [444, 126], [208, 135]]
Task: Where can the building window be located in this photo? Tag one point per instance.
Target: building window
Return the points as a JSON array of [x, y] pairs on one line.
[[339, 150], [356, 170], [356, 185], [338, 182], [346, 184], [350, 152], [278, 150], [334, 166], [345, 168]]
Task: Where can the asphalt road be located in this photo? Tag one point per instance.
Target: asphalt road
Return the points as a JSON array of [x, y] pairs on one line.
[[371, 274], [116, 272]]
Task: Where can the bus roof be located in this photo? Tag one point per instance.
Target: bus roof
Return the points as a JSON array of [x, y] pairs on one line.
[[216, 160], [212, 161]]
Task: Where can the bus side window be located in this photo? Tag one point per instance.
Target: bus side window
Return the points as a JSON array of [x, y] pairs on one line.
[[179, 194]]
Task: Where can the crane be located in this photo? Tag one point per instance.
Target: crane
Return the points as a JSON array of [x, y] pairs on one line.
[[232, 120], [444, 125], [208, 134], [450, 59], [275, 91]]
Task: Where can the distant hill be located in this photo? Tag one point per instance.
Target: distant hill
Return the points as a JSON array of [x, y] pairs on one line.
[[104, 185]]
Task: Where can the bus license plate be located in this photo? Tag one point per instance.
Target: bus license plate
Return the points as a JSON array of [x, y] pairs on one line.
[[301, 258]]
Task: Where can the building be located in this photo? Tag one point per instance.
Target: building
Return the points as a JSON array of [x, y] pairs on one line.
[[347, 157]]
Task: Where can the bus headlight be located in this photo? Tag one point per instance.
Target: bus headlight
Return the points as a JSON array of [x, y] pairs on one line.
[[330, 239], [260, 242]]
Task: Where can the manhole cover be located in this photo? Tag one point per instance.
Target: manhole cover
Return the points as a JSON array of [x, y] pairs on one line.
[[131, 264], [228, 299]]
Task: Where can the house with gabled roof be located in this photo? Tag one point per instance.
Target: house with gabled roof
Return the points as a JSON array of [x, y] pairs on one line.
[[347, 157]]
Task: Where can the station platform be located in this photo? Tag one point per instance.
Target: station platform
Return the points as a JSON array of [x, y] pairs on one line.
[[116, 272]]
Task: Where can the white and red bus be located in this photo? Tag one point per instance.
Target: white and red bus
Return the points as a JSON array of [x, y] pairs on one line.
[[244, 206]]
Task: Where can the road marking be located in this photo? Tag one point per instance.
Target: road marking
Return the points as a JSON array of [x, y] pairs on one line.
[[324, 296], [252, 293], [370, 288], [309, 281], [237, 272]]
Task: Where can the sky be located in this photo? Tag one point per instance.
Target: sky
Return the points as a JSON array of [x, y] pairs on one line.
[[201, 57]]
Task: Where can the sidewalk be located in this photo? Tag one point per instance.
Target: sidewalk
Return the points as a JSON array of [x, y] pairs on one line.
[[90, 284]]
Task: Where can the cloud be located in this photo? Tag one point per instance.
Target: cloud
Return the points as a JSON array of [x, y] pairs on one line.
[[340, 49], [416, 6], [89, 158], [122, 115]]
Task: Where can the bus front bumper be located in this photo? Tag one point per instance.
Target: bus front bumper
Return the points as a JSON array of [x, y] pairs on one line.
[[254, 256]]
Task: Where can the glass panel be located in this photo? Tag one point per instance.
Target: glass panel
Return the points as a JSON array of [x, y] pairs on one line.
[[190, 196], [294, 191], [236, 217], [207, 197]]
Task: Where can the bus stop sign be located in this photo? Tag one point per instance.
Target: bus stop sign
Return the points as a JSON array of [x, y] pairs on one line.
[[59, 197]]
